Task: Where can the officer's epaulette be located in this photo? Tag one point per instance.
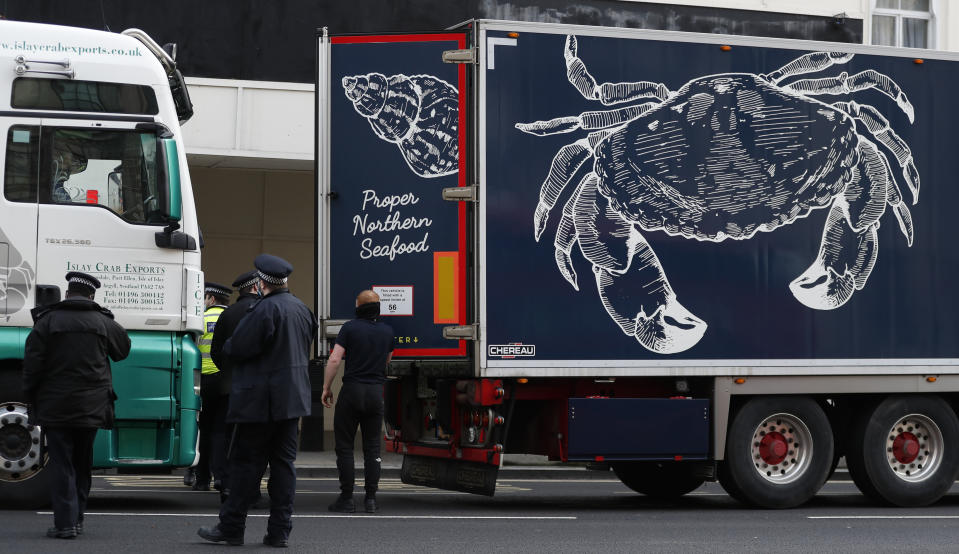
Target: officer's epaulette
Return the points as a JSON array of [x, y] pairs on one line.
[[106, 312]]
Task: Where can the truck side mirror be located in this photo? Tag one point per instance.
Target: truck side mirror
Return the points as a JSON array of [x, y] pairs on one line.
[[171, 165], [171, 206]]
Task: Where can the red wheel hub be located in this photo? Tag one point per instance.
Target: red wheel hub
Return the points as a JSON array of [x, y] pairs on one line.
[[773, 448], [905, 448]]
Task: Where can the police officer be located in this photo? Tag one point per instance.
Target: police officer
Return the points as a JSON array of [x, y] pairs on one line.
[[270, 350], [68, 382], [215, 399], [367, 344], [245, 285]]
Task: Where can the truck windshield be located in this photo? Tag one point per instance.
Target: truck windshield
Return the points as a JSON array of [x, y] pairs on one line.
[[116, 169]]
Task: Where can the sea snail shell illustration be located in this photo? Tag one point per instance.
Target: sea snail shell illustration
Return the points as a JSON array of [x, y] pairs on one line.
[[419, 113], [724, 157]]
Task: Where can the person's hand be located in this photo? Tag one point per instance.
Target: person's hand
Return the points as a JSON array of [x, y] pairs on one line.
[[327, 397]]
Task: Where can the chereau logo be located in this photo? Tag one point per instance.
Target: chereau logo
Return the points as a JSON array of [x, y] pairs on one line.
[[517, 350]]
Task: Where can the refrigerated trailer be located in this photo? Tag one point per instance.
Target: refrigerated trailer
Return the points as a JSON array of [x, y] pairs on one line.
[[95, 179], [682, 257]]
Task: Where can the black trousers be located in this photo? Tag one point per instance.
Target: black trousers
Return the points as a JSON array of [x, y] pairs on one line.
[[213, 439], [254, 446], [71, 460], [360, 405]]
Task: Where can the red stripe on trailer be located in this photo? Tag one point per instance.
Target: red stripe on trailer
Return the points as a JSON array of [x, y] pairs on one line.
[[479, 455], [425, 37]]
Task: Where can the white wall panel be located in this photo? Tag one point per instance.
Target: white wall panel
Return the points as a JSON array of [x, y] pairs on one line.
[[250, 124], [277, 121]]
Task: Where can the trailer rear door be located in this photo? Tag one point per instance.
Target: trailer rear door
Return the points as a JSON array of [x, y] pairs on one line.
[[391, 126]]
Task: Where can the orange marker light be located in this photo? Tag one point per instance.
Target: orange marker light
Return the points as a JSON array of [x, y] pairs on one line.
[[522, 380], [725, 48], [918, 61], [932, 379], [739, 380], [512, 35]]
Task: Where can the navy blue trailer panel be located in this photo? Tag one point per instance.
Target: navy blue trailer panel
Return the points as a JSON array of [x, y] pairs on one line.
[[649, 201]]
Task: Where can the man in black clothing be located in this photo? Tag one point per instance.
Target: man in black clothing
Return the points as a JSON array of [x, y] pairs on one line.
[[69, 386], [367, 344], [245, 284], [270, 391]]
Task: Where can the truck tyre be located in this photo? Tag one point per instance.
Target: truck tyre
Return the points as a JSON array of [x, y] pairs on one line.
[[658, 479], [779, 451], [23, 483], [905, 451]]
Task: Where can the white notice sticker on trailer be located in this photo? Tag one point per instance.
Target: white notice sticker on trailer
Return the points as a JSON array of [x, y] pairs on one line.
[[395, 300]]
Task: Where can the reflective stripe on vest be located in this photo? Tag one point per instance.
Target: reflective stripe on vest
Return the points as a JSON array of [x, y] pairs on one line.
[[210, 316]]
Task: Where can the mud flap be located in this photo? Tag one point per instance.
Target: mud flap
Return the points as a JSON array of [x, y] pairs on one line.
[[453, 475]]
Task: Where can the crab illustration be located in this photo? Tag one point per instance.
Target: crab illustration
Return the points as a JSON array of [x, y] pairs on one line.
[[724, 157], [419, 113]]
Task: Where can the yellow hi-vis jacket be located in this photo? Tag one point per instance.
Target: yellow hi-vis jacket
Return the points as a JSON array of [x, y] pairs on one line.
[[210, 316]]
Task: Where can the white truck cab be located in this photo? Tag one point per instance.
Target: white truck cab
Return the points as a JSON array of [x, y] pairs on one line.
[[94, 179]]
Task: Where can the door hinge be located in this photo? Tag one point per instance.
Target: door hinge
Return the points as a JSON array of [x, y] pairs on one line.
[[462, 332], [461, 194], [467, 55]]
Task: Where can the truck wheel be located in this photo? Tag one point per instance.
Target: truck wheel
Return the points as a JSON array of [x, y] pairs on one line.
[[905, 451], [778, 452], [658, 479], [23, 483]]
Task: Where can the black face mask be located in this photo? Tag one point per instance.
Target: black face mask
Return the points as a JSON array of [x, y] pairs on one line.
[[370, 310]]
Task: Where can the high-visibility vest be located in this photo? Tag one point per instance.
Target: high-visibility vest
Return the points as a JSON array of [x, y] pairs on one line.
[[210, 316]]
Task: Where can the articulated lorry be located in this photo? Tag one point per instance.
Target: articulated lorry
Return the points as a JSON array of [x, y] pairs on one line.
[[95, 180], [681, 257]]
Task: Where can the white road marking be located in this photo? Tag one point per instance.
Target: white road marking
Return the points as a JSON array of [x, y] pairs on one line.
[[558, 481], [330, 492], [884, 517], [320, 516]]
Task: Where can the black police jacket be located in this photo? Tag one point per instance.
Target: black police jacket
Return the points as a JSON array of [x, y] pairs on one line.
[[225, 326], [66, 364], [270, 351]]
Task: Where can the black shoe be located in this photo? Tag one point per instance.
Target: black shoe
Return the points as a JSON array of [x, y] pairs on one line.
[[201, 485], [343, 504], [189, 477], [62, 532], [274, 541], [213, 534], [370, 504]]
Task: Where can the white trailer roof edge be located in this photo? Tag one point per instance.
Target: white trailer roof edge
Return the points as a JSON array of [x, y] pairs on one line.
[[710, 38]]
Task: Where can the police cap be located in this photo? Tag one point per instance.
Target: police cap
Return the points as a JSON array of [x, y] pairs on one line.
[[245, 280], [82, 283], [272, 269], [217, 289]]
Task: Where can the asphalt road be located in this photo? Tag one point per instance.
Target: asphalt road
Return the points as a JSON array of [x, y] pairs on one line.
[[143, 514]]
